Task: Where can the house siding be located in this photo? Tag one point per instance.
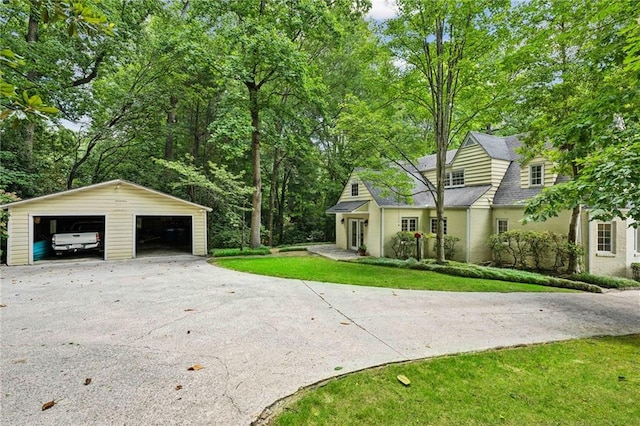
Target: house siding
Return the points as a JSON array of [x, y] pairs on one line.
[[549, 175], [393, 224], [480, 229], [363, 192], [618, 262], [119, 204], [456, 227]]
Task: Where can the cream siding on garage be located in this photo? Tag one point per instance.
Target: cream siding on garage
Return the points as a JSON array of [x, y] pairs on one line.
[[119, 203]]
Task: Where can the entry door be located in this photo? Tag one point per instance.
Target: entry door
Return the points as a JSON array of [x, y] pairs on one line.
[[356, 233]]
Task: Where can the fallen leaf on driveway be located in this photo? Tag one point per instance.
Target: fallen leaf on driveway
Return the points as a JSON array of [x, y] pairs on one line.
[[48, 405], [404, 380], [195, 367], [345, 323], [178, 387], [189, 310], [338, 368], [87, 381], [2, 305]]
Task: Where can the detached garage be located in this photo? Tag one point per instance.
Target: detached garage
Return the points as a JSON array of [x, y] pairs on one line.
[[128, 219]]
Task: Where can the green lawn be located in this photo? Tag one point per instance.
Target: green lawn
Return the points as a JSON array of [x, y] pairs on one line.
[[581, 382], [314, 268]]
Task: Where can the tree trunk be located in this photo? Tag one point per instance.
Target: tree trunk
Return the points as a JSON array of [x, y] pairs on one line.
[[31, 37], [256, 200], [572, 238], [442, 139], [281, 204], [275, 171], [32, 26], [171, 120]]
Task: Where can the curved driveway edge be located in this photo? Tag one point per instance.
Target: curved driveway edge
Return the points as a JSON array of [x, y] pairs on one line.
[[135, 327]]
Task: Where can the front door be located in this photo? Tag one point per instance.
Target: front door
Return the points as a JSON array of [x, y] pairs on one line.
[[356, 233]]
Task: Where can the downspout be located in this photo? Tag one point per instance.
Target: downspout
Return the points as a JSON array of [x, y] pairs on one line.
[[468, 234], [579, 241], [381, 231]]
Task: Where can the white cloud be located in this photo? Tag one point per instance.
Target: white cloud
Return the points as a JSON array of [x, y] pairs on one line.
[[382, 10]]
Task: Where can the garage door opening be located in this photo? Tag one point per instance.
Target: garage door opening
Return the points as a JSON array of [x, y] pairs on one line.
[[163, 235], [75, 237]]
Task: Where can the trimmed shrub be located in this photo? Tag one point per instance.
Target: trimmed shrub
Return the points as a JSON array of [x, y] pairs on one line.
[[606, 282], [635, 269], [542, 250], [403, 244], [237, 252], [449, 246], [484, 272], [292, 248]]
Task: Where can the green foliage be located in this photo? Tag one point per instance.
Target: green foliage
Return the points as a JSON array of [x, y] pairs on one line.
[[287, 249], [5, 198], [542, 250], [403, 245], [635, 269], [240, 252], [449, 246], [606, 282], [524, 385], [315, 268], [469, 270]]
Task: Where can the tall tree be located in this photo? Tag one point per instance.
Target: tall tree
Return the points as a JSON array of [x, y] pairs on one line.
[[261, 44], [577, 93], [449, 53]]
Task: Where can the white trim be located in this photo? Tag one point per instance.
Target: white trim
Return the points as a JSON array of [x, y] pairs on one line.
[[134, 236], [30, 260], [468, 257], [115, 182], [532, 185], [30, 239], [9, 242], [193, 229], [382, 233]]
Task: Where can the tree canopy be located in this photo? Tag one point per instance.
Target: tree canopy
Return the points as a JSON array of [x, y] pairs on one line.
[[282, 100]]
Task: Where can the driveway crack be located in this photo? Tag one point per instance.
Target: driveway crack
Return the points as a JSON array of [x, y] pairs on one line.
[[360, 326]]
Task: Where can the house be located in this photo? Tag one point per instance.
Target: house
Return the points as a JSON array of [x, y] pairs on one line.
[[486, 188], [134, 219]]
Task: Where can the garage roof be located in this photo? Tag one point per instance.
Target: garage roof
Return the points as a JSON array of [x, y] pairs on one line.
[[99, 185]]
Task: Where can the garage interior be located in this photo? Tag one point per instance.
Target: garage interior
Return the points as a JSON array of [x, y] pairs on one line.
[[163, 235], [44, 227]]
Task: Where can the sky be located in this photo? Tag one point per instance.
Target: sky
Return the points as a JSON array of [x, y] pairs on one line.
[[382, 9]]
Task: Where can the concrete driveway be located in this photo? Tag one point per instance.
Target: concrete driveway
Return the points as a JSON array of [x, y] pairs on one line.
[[135, 327]]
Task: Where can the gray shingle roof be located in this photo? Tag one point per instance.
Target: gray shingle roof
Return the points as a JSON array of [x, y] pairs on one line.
[[495, 146], [346, 206], [509, 191]]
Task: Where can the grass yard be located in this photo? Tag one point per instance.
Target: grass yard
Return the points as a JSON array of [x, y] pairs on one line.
[[582, 382], [315, 268]]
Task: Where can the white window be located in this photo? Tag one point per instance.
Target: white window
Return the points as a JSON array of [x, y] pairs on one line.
[[434, 225], [502, 225], [409, 224], [636, 239], [454, 179], [606, 237], [536, 175], [354, 189]]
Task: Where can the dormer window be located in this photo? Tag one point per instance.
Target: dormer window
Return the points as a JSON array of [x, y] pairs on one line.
[[536, 175], [354, 189], [454, 179]]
